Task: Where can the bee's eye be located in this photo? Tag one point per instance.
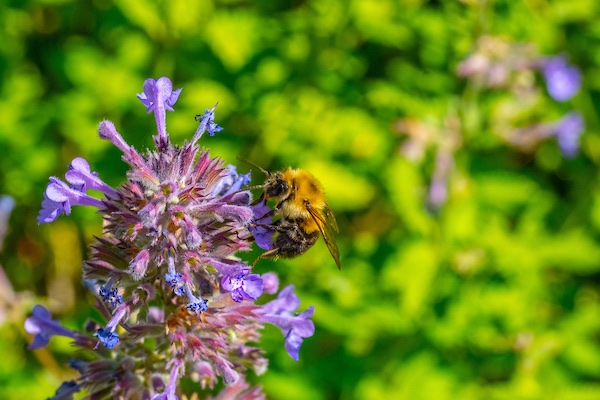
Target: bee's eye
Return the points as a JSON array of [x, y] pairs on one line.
[[277, 188]]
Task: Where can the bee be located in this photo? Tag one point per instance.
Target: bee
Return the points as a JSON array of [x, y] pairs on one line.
[[303, 211]]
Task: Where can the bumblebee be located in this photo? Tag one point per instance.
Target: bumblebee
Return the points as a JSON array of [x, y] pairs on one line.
[[303, 211]]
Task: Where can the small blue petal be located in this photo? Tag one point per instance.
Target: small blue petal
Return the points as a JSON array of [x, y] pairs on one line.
[[198, 306], [207, 122], [109, 339]]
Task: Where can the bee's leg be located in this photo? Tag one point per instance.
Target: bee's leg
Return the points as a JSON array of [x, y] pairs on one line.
[[273, 227], [273, 253]]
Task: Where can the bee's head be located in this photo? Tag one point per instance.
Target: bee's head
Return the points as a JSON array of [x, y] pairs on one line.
[[276, 186]]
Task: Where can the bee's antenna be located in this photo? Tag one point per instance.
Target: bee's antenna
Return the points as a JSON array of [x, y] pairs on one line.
[[264, 171]]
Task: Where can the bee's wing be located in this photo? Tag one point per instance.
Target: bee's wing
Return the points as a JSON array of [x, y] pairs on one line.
[[330, 218], [327, 224]]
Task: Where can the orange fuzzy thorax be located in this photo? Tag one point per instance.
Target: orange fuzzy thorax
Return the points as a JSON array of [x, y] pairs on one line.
[[305, 187]]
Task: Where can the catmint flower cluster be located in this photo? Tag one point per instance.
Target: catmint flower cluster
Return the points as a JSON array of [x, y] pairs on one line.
[[421, 137], [498, 64], [177, 300]]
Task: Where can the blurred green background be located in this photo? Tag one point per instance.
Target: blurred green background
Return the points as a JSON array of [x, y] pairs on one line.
[[489, 292]]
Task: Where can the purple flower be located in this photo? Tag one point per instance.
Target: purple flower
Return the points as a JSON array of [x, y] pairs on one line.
[[263, 236], [50, 210], [224, 267], [438, 189], [243, 286], [58, 199], [82, 178], [108, 338], [7, 204], [169, 392], [568, 131], [224, 368], [159, 96], [298, 328], [193, 237], [107, 131], [294, 327], [562, 79], [44, 327]]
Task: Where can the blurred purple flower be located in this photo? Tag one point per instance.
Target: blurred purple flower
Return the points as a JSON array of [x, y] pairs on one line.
[[270, 282], [438, 189], [7, 204], [562, 79], [568, 131], [496, 62], [44, 327]]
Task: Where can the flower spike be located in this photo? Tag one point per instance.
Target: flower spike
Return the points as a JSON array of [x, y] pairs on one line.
[[166, 272]]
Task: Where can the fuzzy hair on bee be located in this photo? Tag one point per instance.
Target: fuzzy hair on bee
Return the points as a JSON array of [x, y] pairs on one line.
[[303, 211]]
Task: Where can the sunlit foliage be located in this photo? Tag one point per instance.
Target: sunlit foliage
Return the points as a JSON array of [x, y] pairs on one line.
[[470, 239]]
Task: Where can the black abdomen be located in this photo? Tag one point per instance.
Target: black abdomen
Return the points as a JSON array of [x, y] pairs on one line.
[[292, 240]]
